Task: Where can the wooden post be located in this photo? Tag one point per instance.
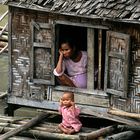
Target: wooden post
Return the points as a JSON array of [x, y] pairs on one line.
[[100, 59], [19, 129], [90, 50]]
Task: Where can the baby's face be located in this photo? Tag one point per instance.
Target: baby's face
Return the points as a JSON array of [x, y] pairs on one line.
[[66, 100]]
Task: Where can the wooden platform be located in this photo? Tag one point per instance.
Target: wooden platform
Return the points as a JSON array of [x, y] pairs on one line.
[[47, 128]]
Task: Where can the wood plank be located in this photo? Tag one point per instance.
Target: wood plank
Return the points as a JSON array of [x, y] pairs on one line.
[[100, 112], [96, 93], [81, 24], [83, 99], [42, 45]]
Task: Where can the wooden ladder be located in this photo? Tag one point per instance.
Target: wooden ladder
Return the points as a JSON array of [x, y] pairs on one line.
[[3, 35]]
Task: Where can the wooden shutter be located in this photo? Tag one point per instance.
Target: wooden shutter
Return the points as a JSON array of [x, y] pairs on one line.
[[42, 53], [116, 71]]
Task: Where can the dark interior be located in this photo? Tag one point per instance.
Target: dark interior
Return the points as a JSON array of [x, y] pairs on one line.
[[77, 34]]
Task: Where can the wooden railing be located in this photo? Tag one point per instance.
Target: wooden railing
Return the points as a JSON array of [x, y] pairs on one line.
[[3, 35]]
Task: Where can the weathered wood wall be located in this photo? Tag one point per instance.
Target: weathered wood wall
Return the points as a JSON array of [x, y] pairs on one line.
[[21, 58], [132, 103]]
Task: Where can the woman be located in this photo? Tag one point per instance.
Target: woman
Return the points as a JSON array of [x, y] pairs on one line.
[[71, 69]]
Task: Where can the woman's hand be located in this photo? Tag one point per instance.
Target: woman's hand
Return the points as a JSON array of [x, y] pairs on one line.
[[61, 52], [59, 66]]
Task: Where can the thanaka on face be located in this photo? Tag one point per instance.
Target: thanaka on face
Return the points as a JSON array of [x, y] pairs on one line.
[[66, 50]]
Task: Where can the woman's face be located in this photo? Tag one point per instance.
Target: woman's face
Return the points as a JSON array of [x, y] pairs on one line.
[[66, 50]]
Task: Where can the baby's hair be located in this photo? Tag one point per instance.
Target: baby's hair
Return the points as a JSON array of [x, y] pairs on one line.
[[70, 94]]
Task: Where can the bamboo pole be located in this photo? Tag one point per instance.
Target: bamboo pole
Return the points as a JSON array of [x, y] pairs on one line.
[[118, 112], [98, 133], [121, 136], [3, 94], [2, 17], [41, 134], [3, 44], [3, 29], [21, 128], [128, 127], [3, 49], [44, 128], [20, 138], [4, 38]]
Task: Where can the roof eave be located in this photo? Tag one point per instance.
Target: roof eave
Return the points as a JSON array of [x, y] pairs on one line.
[[44, 9]]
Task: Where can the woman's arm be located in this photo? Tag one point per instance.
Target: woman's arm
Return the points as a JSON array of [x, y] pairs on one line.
[[58, 71], [59, 67]]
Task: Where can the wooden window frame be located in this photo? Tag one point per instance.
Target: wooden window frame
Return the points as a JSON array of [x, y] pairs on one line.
[[90, 51]]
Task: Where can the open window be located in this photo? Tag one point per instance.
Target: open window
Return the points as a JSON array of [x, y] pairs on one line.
[[92, 40], [42, 63], [117, 61]]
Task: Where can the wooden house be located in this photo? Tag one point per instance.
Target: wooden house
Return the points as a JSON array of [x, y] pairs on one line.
[[109, 30]]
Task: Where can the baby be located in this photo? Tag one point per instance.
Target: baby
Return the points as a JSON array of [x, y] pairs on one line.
[[70, 114]]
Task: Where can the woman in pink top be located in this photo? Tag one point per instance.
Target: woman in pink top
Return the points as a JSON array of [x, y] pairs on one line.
[[70, 114], [74, 63]]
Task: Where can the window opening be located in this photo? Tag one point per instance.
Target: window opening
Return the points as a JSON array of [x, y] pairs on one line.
[[79, 35]]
